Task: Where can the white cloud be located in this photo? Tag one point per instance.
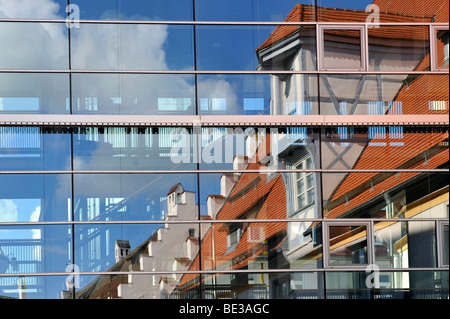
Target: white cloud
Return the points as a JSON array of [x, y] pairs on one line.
[[35, 214], [29, 9], [8, 211]]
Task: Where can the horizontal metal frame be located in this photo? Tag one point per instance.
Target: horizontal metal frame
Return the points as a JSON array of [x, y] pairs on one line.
[[339, 221], [188, 22], [214, 171], [223, 72], [214, 272], [221, 120]]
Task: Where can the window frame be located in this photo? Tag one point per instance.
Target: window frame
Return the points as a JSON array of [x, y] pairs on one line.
[[433, 48], [440, 243], [326, 244], [304, 180], [350, 27]]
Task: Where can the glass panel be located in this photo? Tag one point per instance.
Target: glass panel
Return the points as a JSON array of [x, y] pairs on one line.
[[387, 285], [135, 197], [34, 46], [293, 94], [442, 48], [348, 245], [255, 10], [132, 47], [132, 148], [256, 196], [34, 148], [277, 48], [34, 249], [258, 286], [405, 244], [257, 148], [35, 198], [259, 245], [141, 247], [170, 10], [342, 49], [133, 94], [34, 93], [31, 9], [33, 287], [380, 11], [399, 48], [384, 147], [445, 244], [385, 195], [343, 94]]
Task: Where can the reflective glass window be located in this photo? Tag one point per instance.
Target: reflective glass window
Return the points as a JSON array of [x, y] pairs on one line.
[[133, 94], [132, 148], [35, 148], [34, 93], [35, 198], [348, 245], [343, 48], [441, 48], [399, 48], [383, 94], [257, 245], [34, 249], [117, 197], [405, 244], [385, 195], [291, 94], [255, 10], [34, 287], [380, 11], [170, 10], [132, 47], [247, 48], [32, 9], [146, 247], [260, 196], [387, 285], [34, 46], [445, 247]]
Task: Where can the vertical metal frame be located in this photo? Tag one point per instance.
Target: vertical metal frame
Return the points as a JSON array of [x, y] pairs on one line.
[[433, 47], [321, 45], [440, 243], [326, 244]]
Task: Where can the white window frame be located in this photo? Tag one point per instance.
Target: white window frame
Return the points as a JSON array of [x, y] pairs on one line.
[[440, 243], [350, 27], [326, 244], [307, 187], [433, 48]]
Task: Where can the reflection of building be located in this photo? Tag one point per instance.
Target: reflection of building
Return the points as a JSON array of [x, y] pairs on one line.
[[171, 247], [116, 191]]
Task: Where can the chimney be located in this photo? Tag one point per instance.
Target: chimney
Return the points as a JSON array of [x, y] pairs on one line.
[[227, 182], [215, 203]]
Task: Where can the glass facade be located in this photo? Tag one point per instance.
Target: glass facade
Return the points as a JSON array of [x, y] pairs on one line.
[[205, 149]]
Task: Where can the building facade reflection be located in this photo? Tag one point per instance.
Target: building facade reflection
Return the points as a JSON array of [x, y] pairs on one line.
[[171, 150]]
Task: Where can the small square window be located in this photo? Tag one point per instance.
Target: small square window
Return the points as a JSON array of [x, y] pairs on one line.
[[342, 48], [440, 48], [348, 245]]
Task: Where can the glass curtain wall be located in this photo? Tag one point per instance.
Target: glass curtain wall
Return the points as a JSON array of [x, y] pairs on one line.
[[123, 173]]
